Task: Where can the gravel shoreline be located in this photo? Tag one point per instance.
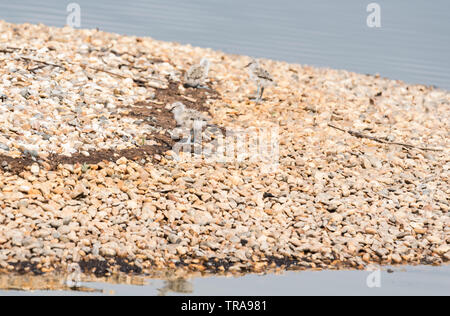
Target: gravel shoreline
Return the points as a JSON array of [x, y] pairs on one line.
[[87, 174]]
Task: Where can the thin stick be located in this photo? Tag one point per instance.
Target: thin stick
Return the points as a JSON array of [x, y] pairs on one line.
[[136, 80], [43, 62], [155, 102], [20, 48], [9, 49], [379, 140], [189, 99], [107, 71], [33, 70]]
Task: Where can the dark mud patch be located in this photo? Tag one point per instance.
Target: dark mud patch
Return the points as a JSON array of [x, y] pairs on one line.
[[96, 267], [22, 268], [15, 165], [136, 154], [153, 112], [99, 268], [193, 98], [145, 152], [111, 266], [105, 267], [217, 266]]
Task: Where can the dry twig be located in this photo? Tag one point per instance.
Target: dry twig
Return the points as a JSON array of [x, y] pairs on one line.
[[382, 141], [138, 81], [43, 62]]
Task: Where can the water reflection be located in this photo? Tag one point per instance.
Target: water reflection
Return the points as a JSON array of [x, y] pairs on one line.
[[401, 280], [180, 285], [47, 282], [77, 282]]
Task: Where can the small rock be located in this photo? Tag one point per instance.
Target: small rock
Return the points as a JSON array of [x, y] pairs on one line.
[[56, 223], [434, 239], [370, 230], [201, 217], [64, 230], [442, 249], [174, 239], [173, 215], [35, 169], [240, 254], [131, 204], [78, 191], [106, 251], [122, 161], [396, 258], [447, 255]]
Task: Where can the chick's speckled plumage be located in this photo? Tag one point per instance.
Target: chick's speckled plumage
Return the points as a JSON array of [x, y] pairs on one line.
[[187, 117], [261, 76], [258, 73], [197, 74]]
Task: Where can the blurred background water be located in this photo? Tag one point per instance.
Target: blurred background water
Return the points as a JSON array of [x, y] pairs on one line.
[[412, 44]]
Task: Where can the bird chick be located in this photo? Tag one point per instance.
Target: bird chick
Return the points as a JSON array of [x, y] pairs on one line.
[[196, 75], [188, 119], [261, 76]]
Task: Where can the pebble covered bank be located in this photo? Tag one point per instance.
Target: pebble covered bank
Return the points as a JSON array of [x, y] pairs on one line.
[[88, 173]]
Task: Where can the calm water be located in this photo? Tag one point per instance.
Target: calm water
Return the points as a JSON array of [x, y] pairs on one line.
[[413, 44], [403, 281]]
